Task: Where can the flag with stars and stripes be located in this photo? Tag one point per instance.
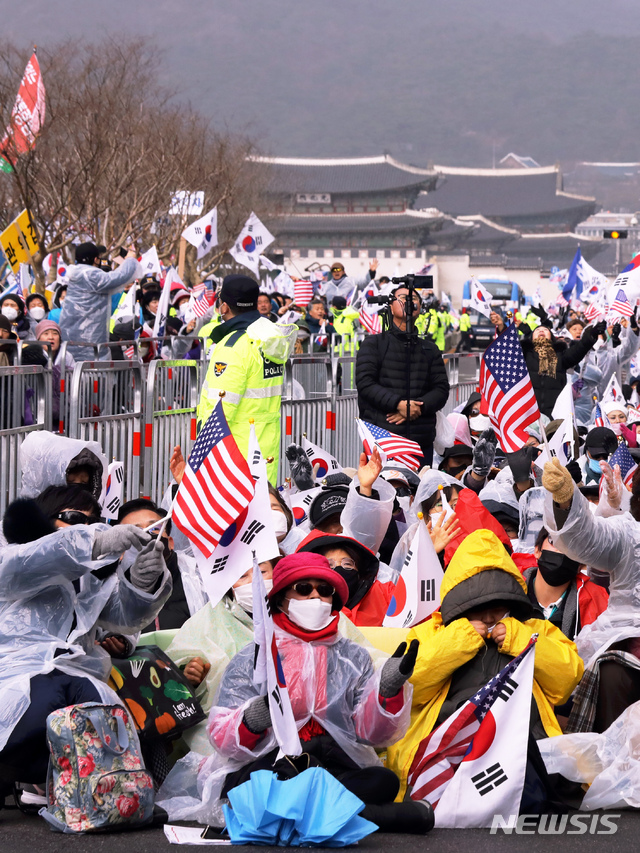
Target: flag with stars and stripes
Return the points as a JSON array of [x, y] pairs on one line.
[[216, 487], [507, 392], [472, 766], [250, 535], [621, 307], [627, 463], [397, 447]]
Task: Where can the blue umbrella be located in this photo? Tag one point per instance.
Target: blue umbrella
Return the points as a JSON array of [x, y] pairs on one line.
[[312, 809]]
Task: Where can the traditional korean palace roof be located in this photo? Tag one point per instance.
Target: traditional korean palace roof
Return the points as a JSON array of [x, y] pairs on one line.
[[291, 175]]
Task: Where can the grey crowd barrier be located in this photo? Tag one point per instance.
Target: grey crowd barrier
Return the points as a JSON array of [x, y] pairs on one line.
[[25, 406], [140, 412]]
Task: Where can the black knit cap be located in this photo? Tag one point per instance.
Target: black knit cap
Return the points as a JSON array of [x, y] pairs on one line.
[[86, 253], [240, 291]]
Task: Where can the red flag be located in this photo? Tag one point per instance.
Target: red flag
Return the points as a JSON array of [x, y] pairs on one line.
[[27, 116]]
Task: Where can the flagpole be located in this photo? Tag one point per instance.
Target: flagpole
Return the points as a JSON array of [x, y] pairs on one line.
[[543, 435]]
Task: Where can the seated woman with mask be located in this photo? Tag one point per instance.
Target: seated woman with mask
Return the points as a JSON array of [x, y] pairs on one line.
[[342, 707]]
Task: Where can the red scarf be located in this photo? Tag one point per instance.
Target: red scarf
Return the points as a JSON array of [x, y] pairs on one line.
[[283, 621]]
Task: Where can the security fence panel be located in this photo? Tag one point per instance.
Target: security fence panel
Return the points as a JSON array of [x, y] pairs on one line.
[[25, 406], [171, 401], [106, 406]]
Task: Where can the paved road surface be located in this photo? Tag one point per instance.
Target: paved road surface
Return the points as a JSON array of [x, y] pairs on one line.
[[20, 834]]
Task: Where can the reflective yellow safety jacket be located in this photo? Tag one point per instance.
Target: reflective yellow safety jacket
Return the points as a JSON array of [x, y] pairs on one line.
[[247, 363], [344, 322], [465, 323], [445, 648]]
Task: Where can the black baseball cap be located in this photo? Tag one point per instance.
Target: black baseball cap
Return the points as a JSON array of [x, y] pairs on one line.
[[330, 501], [240, 291], [86, 253], [601, 440]]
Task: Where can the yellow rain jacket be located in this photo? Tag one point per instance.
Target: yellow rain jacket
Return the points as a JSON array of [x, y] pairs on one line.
[[444, 648]]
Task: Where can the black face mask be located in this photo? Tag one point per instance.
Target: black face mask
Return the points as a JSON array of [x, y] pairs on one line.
[[557, 569], [454, 470]]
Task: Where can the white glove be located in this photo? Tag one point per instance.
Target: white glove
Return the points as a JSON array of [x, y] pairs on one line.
[[149, 566], [117, 540]]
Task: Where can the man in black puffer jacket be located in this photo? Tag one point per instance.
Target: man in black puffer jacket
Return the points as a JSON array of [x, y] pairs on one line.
[[381, 378]]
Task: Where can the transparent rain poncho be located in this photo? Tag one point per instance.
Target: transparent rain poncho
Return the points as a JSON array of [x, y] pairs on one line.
[[38, 603], [531, 506], [609, 545], [45, 457], [332, 681], [87, 308], [429, 483]]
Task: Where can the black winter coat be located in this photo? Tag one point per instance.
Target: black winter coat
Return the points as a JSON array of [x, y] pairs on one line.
[[548, 388], [381, 381]]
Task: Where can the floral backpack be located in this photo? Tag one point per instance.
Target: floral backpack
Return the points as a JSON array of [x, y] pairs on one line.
[[97, 780]]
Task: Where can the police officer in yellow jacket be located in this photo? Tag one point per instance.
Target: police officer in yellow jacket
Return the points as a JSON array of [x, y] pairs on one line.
[[247, 363]]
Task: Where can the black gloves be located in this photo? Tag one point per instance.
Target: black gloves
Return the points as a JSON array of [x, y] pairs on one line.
[[300, 467], [398, 669], [574, 469], [615, 335], [484, 453], [633, 320], [520, 463]]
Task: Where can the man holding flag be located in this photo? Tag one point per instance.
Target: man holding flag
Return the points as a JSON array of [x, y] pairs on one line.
[[326, 706], [483, 624]]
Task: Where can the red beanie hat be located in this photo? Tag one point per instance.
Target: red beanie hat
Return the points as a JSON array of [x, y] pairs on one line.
[[303, 566]]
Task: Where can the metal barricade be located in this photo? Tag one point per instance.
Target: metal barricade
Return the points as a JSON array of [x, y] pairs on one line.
[[25, 406], [314, 416], [171, 401], [106, 406]]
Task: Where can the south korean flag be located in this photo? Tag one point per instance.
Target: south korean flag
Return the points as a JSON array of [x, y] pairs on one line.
[[417, 591], [252, 241], [113, 490], [203, 233], [490, 778], [251, 534], [323, 463]]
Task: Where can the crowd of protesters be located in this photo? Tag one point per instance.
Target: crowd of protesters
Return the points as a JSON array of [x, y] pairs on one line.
[[527, 549]]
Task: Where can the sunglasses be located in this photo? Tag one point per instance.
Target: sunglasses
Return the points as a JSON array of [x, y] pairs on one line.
[[306, 588], [346, 563], [72, 516]]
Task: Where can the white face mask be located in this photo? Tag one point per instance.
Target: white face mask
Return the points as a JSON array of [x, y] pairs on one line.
[[279, 524], [37, 312], [244, 594], [615, 428], [478, 423], [311, 614], [10, 313]]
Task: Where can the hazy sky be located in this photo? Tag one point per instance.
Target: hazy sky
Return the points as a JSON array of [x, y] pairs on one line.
[[336, 76]]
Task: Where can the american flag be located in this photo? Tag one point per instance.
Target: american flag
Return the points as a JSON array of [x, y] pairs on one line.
[[562, 301], [130, 350], [507, 391], [621, 305], [395, 447], [302, 291], [441, 752], [594, 310], [216, 486], [600, 419], [371, 322], [627, 464], [202, 298]]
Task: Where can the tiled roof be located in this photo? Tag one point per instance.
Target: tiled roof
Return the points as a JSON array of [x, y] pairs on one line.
[[501, 193], [350, 175], [357, 223]]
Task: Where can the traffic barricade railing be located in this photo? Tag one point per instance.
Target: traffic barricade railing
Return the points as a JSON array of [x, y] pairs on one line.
[[170, 407], [106, 405], [25, 406]]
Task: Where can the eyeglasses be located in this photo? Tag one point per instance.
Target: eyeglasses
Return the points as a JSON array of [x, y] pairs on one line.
[[325, 590], [346, 563], [73, 516]]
